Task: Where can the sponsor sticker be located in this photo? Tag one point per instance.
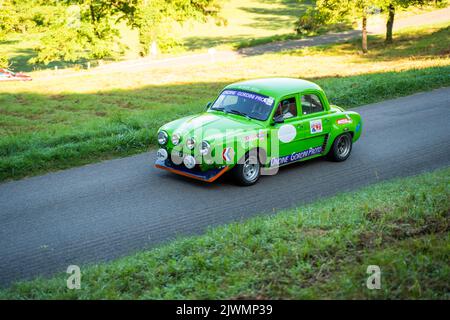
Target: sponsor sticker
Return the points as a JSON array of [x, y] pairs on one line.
[[274, 162], [287, 133], [249, 95], [255, 136], [268, 101], [344, 121], [316, 126], [228, 154]]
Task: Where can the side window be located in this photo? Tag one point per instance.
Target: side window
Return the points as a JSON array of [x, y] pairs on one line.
[[311, 104], [286, 108]]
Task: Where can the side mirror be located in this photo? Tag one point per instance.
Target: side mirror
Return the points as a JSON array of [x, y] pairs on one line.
[[208, 105]]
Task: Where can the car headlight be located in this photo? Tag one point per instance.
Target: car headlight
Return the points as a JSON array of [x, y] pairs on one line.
[[205, 148], [190, 143], [189, 162], [176, 139], [162, 137]]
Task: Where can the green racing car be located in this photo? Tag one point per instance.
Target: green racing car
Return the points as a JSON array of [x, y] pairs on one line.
[[254, 127]]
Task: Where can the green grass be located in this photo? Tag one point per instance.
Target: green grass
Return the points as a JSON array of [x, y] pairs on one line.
[[414, 42], [320, 250], [248, 22], [59, 123]]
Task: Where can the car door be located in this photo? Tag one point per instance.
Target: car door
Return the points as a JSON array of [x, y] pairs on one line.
[[285, 135], [315, 124]]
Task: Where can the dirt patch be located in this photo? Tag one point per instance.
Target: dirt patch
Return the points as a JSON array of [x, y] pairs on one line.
[[367, 239], [445, 52], [126, 105], [21, 99], [402, 229], [57, 97], [376, 214], [314, 232], [32, 116], [432, 225]]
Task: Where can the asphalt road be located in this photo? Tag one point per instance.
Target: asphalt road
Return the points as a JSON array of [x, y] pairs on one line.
[[110, 209]]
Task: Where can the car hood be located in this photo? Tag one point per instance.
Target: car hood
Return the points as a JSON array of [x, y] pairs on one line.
[[210, 125]]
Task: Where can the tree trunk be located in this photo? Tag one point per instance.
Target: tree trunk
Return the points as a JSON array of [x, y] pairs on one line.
[[364, 34], [93, 19], [390, 23]]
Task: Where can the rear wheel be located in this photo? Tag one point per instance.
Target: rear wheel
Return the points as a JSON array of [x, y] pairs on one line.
[[248, 171], [342, 147]]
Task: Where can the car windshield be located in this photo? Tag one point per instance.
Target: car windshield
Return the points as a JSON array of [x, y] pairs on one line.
[[247, 104]]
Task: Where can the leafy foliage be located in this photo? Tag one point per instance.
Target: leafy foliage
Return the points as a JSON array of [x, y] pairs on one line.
[[311, 21], [85, 32], [87, 29], [329, 12], [4, 62], [154, 19]]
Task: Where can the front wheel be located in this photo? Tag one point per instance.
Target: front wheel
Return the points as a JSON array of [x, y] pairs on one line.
[[342, 146], [247, 172]]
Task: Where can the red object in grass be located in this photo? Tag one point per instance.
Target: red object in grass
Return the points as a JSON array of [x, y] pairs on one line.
[[7, 75]]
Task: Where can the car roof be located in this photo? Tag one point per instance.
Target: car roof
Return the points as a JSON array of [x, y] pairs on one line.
[[274, 87]]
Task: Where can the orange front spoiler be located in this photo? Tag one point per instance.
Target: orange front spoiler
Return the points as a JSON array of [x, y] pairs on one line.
[[198, 176]]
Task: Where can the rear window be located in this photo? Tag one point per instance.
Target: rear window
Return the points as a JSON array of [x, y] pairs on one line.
[[311, 104]]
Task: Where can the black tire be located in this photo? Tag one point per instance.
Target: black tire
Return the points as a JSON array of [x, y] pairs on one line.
[[248, 169], [342, 147]]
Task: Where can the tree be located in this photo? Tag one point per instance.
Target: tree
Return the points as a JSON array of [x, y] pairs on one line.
[[19, 16], [390, 22], [93, 36], [330, 12], [154, 19], [94, 33], [347, 10], [390, 7]]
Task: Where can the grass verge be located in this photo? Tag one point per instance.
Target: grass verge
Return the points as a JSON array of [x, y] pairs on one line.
[[320, 250]]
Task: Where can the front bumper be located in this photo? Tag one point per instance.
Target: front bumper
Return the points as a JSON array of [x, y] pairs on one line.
[[207, 176]]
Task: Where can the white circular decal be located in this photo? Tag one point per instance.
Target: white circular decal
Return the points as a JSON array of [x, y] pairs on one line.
[[287, 133]]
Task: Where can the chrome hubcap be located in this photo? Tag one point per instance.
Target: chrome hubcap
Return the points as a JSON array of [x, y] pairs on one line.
[[251, 169], [343, 146]]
